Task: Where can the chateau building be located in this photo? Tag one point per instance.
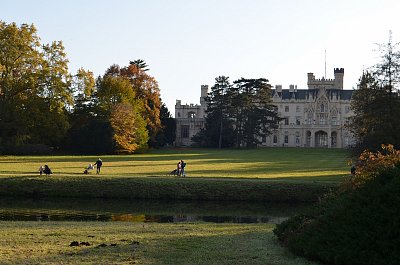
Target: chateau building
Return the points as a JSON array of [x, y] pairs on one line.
[[313, 117]]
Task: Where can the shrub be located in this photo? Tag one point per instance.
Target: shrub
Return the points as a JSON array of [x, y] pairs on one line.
[[370, 164], [356, 226]]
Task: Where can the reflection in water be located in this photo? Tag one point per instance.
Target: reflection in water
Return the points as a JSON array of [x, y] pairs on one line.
[[145, 211]]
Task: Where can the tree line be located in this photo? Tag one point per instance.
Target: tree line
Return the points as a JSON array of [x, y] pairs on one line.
[[376, 102], [238, 114], [43, 105]]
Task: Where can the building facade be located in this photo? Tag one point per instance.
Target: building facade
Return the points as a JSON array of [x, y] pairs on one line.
[[190, 119], [313, 117]]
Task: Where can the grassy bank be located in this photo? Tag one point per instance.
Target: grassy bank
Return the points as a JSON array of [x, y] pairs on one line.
[[162, 188], [271, 174], [141, 243]]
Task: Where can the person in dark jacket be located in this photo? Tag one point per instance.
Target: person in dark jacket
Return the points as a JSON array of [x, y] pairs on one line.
[[183, 165], [98, 164], [47, 170]]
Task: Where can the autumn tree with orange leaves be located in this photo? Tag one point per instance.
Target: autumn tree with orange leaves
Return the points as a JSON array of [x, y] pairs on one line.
[[146, 90]]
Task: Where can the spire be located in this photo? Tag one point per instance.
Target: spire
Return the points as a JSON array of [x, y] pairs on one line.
[[325, 65]]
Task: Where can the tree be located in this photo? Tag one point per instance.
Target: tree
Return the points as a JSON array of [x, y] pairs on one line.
[[146, 89], [117, 101], [376, 103], [140, 64], [127, 129], [35, 89], [167, 134], [238, 115], [218, 131], [252, 110]]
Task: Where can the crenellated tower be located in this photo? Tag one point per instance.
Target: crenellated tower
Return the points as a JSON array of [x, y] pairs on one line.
[[336, 83], [339, 73]]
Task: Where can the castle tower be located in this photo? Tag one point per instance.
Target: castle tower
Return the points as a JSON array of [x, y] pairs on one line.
[[204, 94], [339, 73]]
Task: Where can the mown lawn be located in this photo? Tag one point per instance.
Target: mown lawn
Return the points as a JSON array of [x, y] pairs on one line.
[[272, 163], [141, 243]]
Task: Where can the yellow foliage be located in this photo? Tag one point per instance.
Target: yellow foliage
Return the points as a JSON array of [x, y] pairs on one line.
[[370, 164]]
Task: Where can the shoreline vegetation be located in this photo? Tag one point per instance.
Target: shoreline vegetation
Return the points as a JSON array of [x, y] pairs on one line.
[[270, 174]]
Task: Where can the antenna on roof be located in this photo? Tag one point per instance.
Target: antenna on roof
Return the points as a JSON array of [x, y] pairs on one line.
[[325, 64]]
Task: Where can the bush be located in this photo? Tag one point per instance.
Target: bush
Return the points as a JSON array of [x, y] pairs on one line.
[[370, 164], [356, 226]]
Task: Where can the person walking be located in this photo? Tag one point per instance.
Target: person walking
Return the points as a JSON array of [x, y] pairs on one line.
[[179, 168], [98, 164], [183, 165]]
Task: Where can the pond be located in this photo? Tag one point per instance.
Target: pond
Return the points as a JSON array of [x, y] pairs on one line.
[[72, 209]]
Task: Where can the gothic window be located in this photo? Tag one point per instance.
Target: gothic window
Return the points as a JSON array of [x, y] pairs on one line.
[[308, 139], [185, 131], [333, 139], [334, 120], [191, 115], [322, 119], [322, 107], [310, 117], [298, 120]]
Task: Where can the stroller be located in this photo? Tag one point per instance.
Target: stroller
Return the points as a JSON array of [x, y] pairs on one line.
[[88, 169], [174, 172]]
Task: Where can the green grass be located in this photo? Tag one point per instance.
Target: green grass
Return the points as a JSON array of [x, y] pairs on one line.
[[271, 174], [187, 243], [293, 163]]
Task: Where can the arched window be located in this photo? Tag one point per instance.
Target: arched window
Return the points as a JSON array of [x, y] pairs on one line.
[[191, 115]]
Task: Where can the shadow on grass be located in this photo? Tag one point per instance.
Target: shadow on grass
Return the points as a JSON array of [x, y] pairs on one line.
[[179, 244]]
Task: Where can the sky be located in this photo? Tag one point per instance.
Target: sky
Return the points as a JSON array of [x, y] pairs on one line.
[[188, 43]]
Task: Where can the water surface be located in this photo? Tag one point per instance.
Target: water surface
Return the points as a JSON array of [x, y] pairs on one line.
[[71, 209]]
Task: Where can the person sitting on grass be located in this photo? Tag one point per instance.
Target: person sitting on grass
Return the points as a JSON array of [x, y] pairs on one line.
[[88, 169], [47, 170], [41, 169]]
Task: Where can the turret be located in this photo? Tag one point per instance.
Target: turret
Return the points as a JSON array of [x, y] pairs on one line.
[[339, 73], [204, 94]]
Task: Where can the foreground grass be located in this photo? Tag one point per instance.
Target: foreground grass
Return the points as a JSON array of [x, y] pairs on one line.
[[284, 163], [141, 243]]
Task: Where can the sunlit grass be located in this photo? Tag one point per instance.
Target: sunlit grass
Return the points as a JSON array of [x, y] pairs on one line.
[[258, 163]]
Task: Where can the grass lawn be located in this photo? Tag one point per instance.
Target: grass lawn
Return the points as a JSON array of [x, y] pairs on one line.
[[270, 174], [272, 163], [141, 243]]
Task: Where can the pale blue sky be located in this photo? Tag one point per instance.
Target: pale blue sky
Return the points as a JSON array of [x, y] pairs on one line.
[[189, 43]]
